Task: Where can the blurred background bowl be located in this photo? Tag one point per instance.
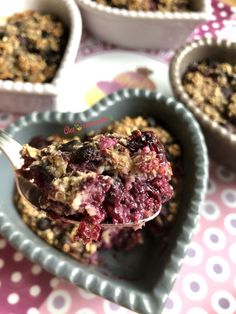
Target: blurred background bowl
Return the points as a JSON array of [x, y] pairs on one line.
[[142, 30], [25, 97], [221, 142]]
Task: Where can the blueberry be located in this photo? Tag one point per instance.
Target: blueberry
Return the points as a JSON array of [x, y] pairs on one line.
[[108, 173], [227, 91], [44, 34], [23, 41], [193, 67], [43, 224], [62, 238], [17, 24], [69, 146], [211, 63], [216, 75], [42, 177]]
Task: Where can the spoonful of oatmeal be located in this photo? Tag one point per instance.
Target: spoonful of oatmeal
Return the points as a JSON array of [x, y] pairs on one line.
[[107, 181]]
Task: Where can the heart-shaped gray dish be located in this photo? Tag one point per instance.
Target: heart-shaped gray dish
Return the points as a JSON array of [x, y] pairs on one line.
[[143, 277]]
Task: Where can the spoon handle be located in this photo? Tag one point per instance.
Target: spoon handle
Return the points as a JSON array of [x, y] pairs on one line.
[[11, 149]]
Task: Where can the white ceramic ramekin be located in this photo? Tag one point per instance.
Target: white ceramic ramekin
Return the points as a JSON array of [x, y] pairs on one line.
[[221, 142], [24, 96], [139, 29]]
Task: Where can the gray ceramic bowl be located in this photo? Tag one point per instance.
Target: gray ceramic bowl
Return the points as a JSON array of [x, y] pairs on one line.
[[221, 143], [142, 278]]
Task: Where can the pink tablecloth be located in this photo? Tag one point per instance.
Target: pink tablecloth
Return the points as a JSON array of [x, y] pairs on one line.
[[207, 280]]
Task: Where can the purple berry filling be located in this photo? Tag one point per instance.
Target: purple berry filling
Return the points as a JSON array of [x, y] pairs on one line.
[[108, 179]]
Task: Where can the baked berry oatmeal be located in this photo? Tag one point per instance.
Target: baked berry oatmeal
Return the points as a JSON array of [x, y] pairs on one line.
[[212, 86], [163, 222], [149, 5], [31, 47], [62, 236], [108, 179]]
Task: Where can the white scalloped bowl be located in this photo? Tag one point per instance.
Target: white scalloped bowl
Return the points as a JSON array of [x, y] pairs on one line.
[[25, 96], [221, 143], [142, 30]]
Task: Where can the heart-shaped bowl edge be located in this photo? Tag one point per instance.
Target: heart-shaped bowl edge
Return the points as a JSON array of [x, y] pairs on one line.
[[77, 273]]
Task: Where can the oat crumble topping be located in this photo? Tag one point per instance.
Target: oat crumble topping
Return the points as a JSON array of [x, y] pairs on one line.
[[31, 47], [61, 235], [110, 178], [149, 5], [212, 86]]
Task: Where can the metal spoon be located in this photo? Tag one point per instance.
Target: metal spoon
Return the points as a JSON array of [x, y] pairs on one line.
[[11, 148]]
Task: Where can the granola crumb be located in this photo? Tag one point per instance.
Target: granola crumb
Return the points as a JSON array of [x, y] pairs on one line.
[[212, 86], [149, 5], [31, 47]]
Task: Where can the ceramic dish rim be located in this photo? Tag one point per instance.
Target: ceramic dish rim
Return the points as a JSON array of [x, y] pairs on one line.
[[205, 12]]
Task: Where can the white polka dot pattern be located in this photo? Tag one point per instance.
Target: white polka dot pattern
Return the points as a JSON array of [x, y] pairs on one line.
[[59, 302], [212, 253], [54, 282], [16, 276], [228, 197], [2, 262], [224, 174], [210, 210], [195, 287], [36, 269], [230, 223], [223, 302], [2, 244], [32, 310], [13, 298], [217, 268], [173, 304], [18, 257], [196, 310], [35, 291], [214, 239], [194, 254]]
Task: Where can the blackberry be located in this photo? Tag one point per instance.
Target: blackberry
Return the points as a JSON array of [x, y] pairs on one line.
[[88, 153], [139, 140], [42, 177]]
